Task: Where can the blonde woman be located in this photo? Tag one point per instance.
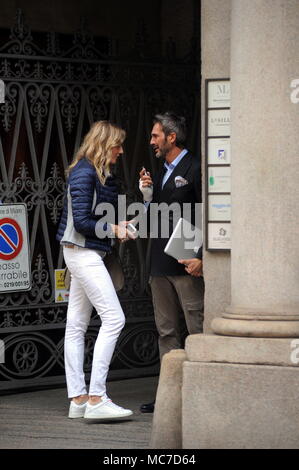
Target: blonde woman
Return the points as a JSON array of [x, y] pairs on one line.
[[90, 183]]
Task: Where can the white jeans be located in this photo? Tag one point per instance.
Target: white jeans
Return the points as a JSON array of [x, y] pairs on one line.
[[91, 286]]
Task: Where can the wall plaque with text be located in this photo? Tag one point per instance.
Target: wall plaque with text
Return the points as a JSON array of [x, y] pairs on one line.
[[219, 94], [218, 160]]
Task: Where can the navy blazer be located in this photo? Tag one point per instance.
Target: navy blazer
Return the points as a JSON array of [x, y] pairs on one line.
[[189, 169]]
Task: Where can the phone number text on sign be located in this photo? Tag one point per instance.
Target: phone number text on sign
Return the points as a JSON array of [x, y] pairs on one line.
[[14, 248]]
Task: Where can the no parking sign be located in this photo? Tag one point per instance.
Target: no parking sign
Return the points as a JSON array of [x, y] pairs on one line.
[[14, 248]]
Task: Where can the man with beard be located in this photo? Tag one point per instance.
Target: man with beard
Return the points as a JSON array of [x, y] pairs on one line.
[[177, 286]]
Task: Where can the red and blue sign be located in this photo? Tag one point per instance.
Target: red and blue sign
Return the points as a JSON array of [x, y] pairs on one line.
[[11, 239]]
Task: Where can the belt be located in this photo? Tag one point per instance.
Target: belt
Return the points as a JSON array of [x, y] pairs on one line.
[[76, 247]]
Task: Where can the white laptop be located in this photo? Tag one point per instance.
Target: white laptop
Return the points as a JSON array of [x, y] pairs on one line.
[[185, 241]]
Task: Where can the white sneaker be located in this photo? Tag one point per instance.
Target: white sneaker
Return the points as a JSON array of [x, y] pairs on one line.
[[77, 411], [106, 409]]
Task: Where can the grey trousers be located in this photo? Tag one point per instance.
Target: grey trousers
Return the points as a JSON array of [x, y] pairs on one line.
[[173, 295]]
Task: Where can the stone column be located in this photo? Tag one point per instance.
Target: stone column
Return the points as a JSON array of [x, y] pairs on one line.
[[241, 392], [265, 171]]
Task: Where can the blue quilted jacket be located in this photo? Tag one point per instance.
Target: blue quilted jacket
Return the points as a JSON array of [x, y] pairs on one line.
[[83, 194]]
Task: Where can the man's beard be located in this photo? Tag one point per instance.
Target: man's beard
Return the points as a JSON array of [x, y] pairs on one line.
[[161, 153]]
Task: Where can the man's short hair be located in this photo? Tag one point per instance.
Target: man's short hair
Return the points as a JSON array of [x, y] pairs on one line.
[[171, 122]]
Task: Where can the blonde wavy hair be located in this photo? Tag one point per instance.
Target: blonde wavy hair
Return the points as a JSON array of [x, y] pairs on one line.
[[97, 146]]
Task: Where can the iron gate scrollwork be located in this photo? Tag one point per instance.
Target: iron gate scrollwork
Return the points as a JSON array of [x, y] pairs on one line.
[[53, 92]]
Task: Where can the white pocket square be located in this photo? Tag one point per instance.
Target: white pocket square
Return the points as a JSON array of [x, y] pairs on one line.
[[180, 181]]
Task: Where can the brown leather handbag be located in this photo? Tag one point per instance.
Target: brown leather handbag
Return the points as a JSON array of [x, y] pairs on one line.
[[67, 278]]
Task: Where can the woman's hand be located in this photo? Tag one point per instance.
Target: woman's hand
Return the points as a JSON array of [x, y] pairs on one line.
[[121, 232]]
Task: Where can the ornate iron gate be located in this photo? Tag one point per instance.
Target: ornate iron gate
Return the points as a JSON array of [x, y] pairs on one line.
[[52, 95]]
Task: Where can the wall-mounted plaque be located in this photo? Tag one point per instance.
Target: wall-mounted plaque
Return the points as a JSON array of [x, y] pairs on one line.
[[219, 236], [219, 179], [218, 159], [219, 122], [219, 151], [219, 94], [219, 207]]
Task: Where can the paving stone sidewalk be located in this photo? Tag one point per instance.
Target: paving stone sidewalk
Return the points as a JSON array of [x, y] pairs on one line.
[[38, 420]]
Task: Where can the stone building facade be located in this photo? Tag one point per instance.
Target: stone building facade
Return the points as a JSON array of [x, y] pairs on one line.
[[239, 380]]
